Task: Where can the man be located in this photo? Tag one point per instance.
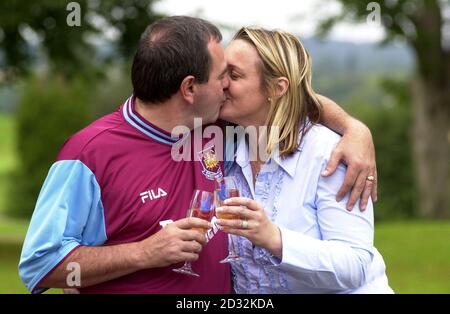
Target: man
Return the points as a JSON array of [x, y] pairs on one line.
[[107, 200]]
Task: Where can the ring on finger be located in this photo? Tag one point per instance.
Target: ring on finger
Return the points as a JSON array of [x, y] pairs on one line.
[[244, 224]]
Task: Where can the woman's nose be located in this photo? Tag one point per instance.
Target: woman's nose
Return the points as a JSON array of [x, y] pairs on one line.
[[225, 82]]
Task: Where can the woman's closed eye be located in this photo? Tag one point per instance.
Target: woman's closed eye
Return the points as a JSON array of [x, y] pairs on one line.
[[234, 76]]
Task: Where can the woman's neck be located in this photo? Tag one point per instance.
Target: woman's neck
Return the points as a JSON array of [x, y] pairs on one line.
[[258, 143]]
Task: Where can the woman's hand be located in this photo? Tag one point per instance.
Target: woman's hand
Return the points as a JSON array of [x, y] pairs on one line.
[[252, 223]]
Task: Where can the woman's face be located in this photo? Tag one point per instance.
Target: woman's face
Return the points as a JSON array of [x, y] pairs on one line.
[[246, 102]]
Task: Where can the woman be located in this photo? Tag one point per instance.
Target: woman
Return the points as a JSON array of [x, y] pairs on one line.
[[294, 236]]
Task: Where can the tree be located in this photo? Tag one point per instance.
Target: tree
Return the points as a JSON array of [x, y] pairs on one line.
[[32, 32], [423, 25]]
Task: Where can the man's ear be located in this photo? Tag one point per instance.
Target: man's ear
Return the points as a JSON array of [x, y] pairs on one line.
[[187, 89], [281, 86]]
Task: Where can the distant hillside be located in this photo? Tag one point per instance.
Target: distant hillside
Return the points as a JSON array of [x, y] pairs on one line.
[[347, 71], [351, 57]]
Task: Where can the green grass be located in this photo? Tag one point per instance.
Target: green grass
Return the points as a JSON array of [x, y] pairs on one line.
[[7, 143], [12, 230], [417, 255], [9, 258], [8, 156], [12, 233]]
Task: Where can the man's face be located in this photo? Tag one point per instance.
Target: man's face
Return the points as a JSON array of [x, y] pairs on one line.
[[211, 95]]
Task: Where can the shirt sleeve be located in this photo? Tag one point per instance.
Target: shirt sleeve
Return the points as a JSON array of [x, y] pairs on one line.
[[68, 213], [340, 259]]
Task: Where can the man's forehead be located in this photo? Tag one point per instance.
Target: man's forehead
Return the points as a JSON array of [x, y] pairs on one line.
[[216, 48], [218, 55]]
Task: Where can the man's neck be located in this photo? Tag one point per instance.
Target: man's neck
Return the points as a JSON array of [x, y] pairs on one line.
[[165, 115]]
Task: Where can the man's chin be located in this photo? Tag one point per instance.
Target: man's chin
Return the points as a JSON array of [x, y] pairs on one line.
[[211, 119], [217, 117]]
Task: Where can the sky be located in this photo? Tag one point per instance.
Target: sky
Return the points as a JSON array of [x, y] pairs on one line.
[[297, 16]]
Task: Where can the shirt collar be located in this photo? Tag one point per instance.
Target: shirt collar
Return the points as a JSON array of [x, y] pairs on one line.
[[288, 164], [140, 123]]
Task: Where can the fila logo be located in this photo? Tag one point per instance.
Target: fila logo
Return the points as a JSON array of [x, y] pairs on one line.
[[150, 194]]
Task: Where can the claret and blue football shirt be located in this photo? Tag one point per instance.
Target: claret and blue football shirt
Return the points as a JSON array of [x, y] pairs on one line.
[[114, 182]]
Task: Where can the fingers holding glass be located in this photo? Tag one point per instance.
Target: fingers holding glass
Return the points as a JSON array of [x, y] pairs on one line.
[[226, 188], [201, 206]]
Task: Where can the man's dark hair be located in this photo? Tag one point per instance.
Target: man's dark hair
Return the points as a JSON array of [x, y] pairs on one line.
[[169, 50]]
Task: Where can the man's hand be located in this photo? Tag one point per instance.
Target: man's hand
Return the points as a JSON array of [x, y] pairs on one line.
[[356, 150], [175, 243], [172, 244]]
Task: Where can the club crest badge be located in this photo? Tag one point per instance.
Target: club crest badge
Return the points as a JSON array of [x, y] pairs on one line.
[[210, 163]]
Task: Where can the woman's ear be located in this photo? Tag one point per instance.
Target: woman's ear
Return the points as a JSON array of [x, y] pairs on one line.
[[187, 89], [281, 86]]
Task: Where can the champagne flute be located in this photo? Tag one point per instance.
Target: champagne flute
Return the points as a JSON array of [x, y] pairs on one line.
[[227, 188], [202, 206]]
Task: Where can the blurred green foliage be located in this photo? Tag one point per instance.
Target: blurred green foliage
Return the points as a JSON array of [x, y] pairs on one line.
[[37, 31], [51, 109], [391, 124]]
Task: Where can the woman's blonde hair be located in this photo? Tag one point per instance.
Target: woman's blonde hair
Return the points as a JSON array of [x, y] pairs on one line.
[[283, 55]]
